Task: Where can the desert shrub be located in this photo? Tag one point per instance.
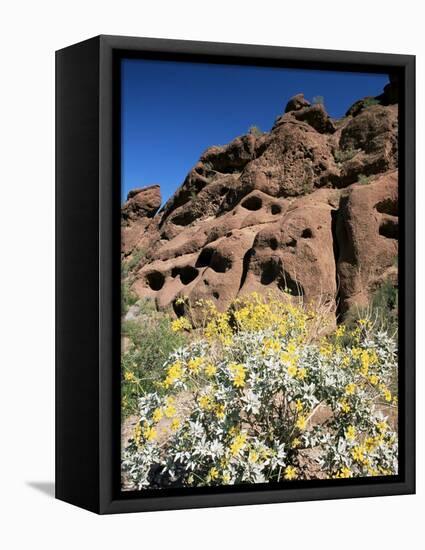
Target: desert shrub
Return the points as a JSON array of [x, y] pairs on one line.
[[255, 131], [341, 155], [128, 297], [318, 100], [369, 101], [384, 307], [151, 342], [382, 311], [260, 396], [362, 179], [135, 259]]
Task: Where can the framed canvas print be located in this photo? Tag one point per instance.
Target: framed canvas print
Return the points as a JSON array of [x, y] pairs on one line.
[[235, 274]]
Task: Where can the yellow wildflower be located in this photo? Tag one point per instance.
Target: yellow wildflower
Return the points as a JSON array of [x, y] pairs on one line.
[[137, 433], [371, 442], [345, 407], [253, 456], [205, 402], [373, 379], [175, 424], [350, 388], [290, 472], [129, 376], [298, 405], [157, 415], [174, 373], [213, 474], [340, 331], [345, 361], [365, 362], [149, 433], [326, 349], [170, 411], [356, 352], [291, 348], [302, 373], [387, 395], [219, 411], [180, 324], [210, 370], [269, 344], [238, 444], [350, 433], [219, 327], [292, 370], [226, 477], [296, 443], [194, 364], [358, 453], [301, 422], [344, 473], [382, 426], [238, 374]]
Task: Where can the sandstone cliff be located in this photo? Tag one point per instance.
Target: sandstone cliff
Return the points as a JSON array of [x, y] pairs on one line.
[[310, 206]]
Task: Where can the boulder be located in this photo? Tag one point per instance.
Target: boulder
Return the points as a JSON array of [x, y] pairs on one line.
[[296, 103], [366, 238]]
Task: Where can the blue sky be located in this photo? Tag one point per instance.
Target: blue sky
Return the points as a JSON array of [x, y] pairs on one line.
[[172, 111]]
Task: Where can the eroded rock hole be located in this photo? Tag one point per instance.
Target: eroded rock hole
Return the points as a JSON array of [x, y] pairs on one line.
[[178, 308], [389, 229], [188, 274], [307, 233], [183, 219], [270, 271], [273, 243], [216, 295], [276, 209], [245, 265], [220, 263], [291, 242], [252, 203], [155, 280], [388, 206], [288, 284], [204, 258]]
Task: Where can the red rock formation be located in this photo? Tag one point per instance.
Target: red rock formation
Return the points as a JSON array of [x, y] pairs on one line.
[[275, 211]]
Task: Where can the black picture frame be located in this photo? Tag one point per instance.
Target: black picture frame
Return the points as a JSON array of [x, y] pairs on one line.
[[88, 273]]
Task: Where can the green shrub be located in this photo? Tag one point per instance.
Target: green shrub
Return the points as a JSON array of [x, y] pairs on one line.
[[344, 155], [128, 297], [368, 102], [385, 306], [255, 131], [134, 261], [382, 310], [362, 179], [151, 342]]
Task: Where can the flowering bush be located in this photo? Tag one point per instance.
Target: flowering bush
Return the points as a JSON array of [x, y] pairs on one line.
[[259, 395]]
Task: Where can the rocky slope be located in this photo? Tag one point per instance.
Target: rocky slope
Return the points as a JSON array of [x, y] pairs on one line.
[[311, 206]]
